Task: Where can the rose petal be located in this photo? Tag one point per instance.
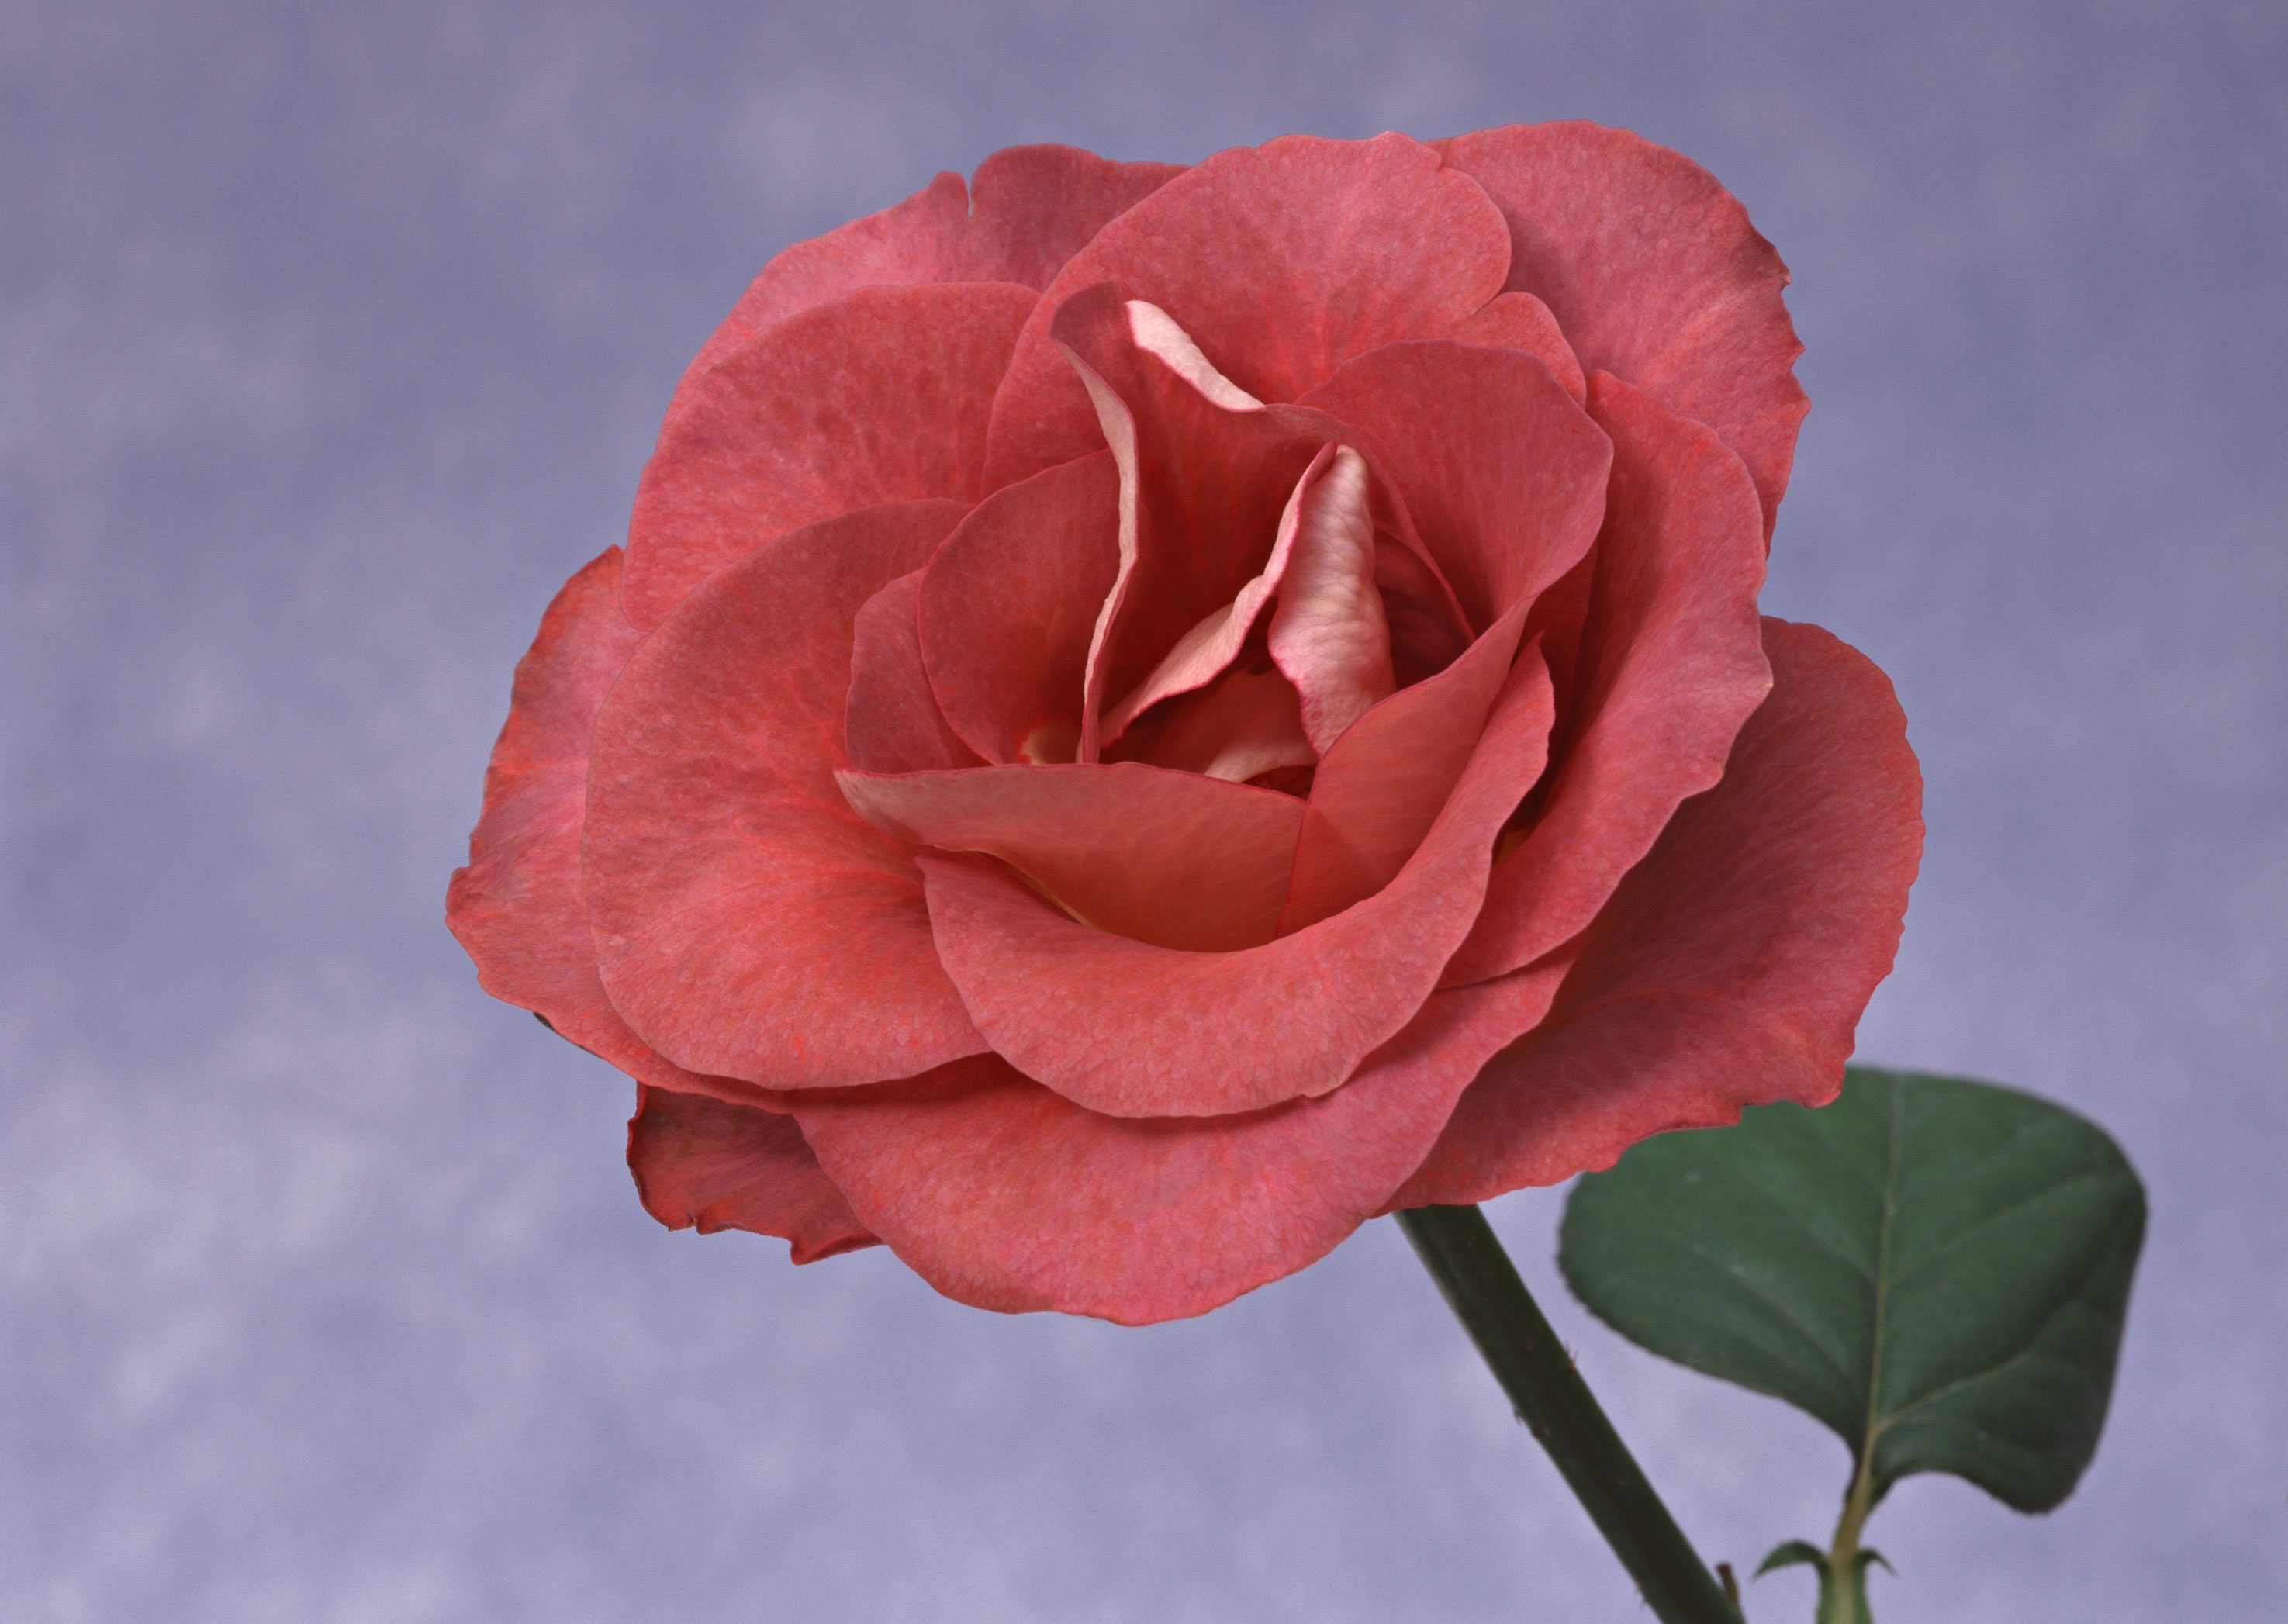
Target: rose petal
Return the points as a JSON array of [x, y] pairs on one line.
[[1428, 631], [1731, 966], [1203, 473], [1009, 606], [518, 908], [1203, 653], [1655, 274], [1036, 207], [1500, 471], [1003, 1195], [1379, 791], [1032, 209], [1119, 426], [1249, 723], [1167, 858], [747, 921], [879, 397], [1158, 333], [1281, 262], [1517, 320], [1207, 490], [706, 1164], [891, 723], [1674, 663], [1328, 633], [1130, 1029]]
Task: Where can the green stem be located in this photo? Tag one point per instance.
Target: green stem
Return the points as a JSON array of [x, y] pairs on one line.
[[1459, 1248], [1843, 1585], [1843, 1578]]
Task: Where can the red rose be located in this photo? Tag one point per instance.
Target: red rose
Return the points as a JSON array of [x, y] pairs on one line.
[[1150, 715]]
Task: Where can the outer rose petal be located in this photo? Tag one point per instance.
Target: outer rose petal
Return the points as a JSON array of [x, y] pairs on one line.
[[1033, 207], [746, 920], [1281, 262], [1003, 1195], [1672, 664], [1655, 274], [716, 1166], [1517, 320], [518, 907], [879, 397], [1731, 966], [1129, 1029]]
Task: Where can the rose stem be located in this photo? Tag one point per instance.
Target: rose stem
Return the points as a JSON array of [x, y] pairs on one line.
[[1459, 1248]]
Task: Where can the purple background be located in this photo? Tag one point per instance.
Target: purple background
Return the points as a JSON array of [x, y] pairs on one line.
[[332, 338]]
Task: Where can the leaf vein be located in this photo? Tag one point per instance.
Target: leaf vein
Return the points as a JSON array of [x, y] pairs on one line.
[[1996, 1216], [2032, 1349], [1749, 1288]]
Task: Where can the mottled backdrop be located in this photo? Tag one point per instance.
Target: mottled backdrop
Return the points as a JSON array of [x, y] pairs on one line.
[[332, 338]]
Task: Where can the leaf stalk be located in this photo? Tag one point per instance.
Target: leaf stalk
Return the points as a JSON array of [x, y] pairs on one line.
[[1843, 1571]]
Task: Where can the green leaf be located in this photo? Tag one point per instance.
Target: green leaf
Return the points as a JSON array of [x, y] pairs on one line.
[[1936, 1268], [1788, 1555]]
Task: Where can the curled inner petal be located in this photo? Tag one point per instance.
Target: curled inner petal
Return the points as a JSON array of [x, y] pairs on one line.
[[1201, 654], [1328, 634], [1204, 485], [1249, 724], [1156, 334], [1119, 425]]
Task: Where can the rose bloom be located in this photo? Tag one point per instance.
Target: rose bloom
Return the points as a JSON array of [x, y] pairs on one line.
[[1150, 715]]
